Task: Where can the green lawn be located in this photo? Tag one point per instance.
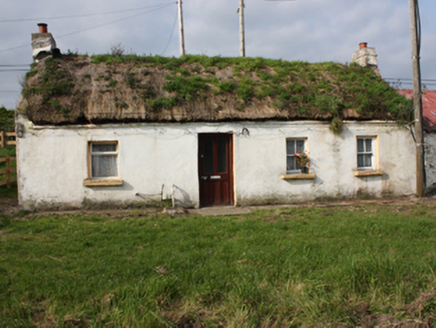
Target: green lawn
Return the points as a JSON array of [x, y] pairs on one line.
[[272, 268]]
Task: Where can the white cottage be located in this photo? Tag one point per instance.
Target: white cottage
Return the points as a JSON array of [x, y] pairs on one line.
[[207, 132]]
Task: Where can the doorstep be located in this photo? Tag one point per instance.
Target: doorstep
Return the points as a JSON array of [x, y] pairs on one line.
[[220, 211]]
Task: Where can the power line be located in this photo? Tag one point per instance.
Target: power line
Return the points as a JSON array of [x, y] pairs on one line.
[[24, 65], [81, 15], [408, 79], [171, 35], [15, 48], [14, 70], [94, 27], [112, 22]]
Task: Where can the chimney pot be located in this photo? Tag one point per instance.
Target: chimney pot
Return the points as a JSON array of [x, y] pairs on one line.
[[43, 28], [363, 45]]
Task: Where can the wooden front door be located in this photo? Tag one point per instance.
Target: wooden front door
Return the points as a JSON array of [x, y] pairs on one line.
[[215, 169]]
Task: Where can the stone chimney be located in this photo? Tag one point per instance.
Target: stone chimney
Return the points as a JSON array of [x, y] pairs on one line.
[[43, 44], [366, 57]]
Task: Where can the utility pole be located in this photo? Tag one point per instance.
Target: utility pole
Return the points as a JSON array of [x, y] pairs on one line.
[[182, 33], [242, 29], [417, 99]]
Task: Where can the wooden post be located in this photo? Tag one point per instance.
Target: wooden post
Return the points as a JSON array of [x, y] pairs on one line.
[[241, 22], [2, 139], [417, 101], [182, 32], [8, 171]]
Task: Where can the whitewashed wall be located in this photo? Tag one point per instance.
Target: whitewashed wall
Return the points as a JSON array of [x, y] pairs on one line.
[[430, 162], [52, 163]]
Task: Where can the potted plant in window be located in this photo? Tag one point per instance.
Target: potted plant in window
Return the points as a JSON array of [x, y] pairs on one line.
[[303, 160]]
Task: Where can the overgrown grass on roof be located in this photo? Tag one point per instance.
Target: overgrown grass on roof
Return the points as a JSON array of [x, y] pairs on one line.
[[362, 90], [296, 87]]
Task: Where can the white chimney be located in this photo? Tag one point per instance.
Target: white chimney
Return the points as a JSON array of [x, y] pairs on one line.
[[366, 57], [43, 43]]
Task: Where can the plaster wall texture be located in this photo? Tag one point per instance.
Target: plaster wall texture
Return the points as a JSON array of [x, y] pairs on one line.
[[52, 163], [42, 42], [364, 57], [430, 161]]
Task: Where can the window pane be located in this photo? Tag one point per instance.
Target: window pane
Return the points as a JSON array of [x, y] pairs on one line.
[[360, 161], [103, 148], [208, 156], [300, 146], [367, 160], [368, 145], [291, 164], [290, 147], [222, 155], [104, 166], [364, 160], [360, 146]]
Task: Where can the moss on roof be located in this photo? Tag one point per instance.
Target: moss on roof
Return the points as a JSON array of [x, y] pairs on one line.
[[107, 89]]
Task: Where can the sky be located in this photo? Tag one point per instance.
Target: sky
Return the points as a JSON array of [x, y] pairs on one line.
[[306, 30]]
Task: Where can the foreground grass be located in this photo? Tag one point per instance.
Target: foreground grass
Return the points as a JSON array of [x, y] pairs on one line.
[[283, 267]]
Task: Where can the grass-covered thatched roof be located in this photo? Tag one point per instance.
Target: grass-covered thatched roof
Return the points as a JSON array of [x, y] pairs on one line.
[[108, 89]]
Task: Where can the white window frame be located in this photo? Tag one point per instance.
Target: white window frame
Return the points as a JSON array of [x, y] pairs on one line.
[[92, 153], [365, 152], [288, 156]]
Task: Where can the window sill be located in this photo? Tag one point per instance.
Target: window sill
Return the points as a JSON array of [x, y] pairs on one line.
[[368, 173], [299, 176], [103, 182]]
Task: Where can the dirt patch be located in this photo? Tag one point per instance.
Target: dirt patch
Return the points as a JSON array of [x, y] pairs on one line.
[[8, 206], [418, 305]]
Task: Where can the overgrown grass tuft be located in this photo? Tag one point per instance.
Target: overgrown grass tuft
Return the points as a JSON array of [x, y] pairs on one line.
[[282, 267]]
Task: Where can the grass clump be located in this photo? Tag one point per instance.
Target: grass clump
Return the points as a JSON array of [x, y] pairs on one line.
[[282, 267], [336, 125], [245, 89], [54, 82], [187, 88], [163, 103]]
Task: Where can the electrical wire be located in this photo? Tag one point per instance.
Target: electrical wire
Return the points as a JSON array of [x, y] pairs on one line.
[[15, 70], [171, 35], [24, 65], [15, 48], [112, 22], [94, 27], [81, 15], [407, 79], [418, 19]]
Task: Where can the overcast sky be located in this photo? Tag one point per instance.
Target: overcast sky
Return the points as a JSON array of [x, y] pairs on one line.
[[308, 30]]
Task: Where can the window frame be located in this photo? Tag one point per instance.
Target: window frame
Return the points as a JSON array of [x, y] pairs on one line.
[[297, 169], [91, 154], [373, 153], [93, 181]]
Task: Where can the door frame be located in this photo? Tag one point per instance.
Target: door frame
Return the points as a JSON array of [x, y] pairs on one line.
[[231, 165]]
